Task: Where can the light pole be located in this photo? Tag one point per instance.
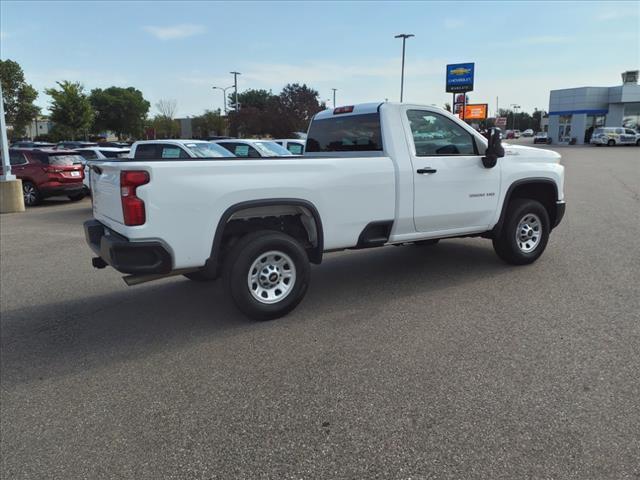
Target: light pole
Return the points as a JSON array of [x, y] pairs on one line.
[[404, 37], [515, 107], [6, 166], [224, 96], [334, 97], [235, 87]]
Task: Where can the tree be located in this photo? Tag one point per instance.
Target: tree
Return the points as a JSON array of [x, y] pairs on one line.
[[447, 107], [18, 97], [70, 108], [165, 127], [298, 104], [209, 123], [121, 110], [252, 98], [167, 108]]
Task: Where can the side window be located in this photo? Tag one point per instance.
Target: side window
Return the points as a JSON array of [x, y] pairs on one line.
[[619, 130], [16, 158], [295, 148], [172, 152], [629, 132], [146, 151], [434, 134]]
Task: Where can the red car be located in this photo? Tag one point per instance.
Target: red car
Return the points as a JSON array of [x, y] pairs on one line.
[[47, 173]]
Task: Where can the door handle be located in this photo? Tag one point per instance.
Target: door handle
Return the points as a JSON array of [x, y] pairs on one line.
[[427, 170]]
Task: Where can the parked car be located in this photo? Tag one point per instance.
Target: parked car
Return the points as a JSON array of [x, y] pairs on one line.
[[73, 145], [262, 221], [517, 134], [509, 134], [99, 153], [31, 145], [114, 144], [294, 145], [176, 149], [527, 133], [244, 148], [47, 173], [611, 136], [541, 137]]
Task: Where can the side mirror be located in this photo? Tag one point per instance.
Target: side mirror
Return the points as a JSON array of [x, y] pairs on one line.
[[494, 150]]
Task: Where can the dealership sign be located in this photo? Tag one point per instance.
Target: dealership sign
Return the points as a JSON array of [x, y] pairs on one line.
[[501, 122], [476, 111], [460, 77]]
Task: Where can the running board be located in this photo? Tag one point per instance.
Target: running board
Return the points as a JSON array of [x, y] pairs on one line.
[[132, 280]]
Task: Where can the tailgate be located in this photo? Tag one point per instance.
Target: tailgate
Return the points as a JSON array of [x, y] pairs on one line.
[[105, 191]]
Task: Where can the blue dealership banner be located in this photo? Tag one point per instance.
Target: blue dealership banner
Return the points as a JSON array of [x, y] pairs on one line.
[[460, 77]]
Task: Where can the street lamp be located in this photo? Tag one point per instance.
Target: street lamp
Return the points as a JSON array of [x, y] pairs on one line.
[[334, 97], [224, 96], [515, 107], [404, 37]]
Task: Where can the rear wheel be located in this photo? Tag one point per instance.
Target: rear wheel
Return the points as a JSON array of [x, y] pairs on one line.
[[638, 143], [611, 143], [31, 194], [524, 234], [267, 274]]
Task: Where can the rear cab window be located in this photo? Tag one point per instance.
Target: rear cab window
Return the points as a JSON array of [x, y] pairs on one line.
[[345, 133]]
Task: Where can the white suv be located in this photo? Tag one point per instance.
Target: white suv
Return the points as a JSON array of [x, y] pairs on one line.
[[615, 136]]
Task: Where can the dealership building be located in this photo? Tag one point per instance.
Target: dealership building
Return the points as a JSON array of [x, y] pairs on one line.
[[576, 112]]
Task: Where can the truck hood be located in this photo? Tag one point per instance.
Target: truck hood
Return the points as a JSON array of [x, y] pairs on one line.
[[530, 154]]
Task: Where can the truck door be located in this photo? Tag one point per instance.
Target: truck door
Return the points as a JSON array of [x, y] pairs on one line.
[[453, 191]]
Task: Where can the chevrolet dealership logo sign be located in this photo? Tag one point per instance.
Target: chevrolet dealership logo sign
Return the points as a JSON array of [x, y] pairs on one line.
[[460, 77]]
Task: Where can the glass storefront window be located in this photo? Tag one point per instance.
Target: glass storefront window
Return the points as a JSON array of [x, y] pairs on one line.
[[631, 118], [564, 128], [593, 122]]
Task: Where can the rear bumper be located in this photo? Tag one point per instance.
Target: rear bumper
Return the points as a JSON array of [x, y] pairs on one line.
[[61, 189], [124, 255], [560, 209]]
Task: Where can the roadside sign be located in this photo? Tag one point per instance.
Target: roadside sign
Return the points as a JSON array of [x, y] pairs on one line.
[[460, 77], [501, 121], [477, 111]]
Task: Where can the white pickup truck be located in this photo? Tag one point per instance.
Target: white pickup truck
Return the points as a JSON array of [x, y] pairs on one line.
[[372, 175]]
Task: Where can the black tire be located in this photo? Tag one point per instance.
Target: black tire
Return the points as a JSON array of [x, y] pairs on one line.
[[638, 143], [611, 143], [426, 243], [506, 243], [200, 276], [31, 194], [77, 197], [241, 258]]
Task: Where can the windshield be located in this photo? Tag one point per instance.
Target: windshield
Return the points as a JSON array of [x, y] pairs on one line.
[[65, 160], [206, 150], [272, 149]]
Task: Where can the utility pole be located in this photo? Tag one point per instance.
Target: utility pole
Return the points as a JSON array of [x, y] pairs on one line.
[[334, 97], [6, 166], [224, 96], [404, 37], [515, 107], [235, 86]]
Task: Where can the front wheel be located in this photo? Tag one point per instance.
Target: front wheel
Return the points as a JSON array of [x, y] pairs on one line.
[[267, 274], [524, 234], [638, 143], [611, 143]]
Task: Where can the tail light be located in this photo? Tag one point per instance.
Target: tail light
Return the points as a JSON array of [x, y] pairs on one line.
[[347, 109], [50, 169], [132, 206]]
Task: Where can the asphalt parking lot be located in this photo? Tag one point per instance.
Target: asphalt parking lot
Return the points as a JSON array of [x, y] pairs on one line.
[[401, 363]]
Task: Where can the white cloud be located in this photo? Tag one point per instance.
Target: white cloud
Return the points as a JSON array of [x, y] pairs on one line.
[[174, 31], [546, 40], [452, 23]]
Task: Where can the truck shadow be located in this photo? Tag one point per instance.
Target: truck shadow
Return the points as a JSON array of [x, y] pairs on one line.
[[55, 339]]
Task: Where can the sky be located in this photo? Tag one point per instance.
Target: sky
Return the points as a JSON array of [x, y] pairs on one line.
[[179, 50]]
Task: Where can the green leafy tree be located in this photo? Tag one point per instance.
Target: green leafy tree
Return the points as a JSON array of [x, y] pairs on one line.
[[298, 104], [165, 127], [209, 123], [447, 107], [251, 98], [70, 109], [18, 97], [120, 110]]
